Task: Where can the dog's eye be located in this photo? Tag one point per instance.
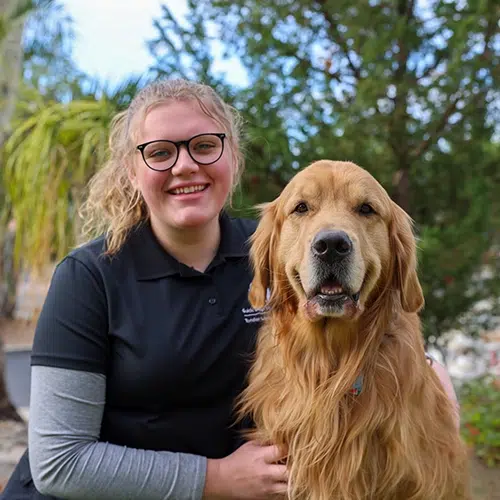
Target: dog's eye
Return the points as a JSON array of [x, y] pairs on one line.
[[301, 208], [366, 209]]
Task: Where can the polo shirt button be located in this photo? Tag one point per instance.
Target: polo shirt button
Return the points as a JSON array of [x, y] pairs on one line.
[[212, 301]]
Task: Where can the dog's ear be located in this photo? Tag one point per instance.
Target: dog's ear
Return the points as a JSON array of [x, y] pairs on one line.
[[263, 248], [405, 260]]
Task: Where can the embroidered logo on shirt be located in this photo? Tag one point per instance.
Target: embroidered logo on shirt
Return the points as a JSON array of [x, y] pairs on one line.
[[252, 315]]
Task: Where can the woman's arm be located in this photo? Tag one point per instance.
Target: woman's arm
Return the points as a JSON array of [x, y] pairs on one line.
[[69, 363], [68, 461], [445, 379]]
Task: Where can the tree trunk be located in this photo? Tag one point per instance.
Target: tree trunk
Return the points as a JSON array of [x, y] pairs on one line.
[[9, 272], [11, 60], [399, 139], [401, 183]]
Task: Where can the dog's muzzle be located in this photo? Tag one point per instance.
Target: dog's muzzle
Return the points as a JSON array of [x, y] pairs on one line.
[[330, 290]]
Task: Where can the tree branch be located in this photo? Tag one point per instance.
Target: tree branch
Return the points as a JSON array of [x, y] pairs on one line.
[[423, 147], [410, 9], [339, 39], [406, 11], [490, 31], [398, 119]]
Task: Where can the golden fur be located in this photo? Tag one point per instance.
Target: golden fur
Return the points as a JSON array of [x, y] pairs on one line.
[[398, 439]]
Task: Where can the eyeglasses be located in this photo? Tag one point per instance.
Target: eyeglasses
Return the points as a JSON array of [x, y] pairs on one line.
[[204, 149]]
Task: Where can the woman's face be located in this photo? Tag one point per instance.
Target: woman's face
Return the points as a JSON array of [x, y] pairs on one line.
[[170, 207]]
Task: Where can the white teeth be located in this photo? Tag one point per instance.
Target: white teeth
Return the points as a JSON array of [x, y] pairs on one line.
[[331, 290], [190, 189]]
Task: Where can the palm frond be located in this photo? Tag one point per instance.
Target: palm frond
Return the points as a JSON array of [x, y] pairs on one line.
[[53, 150]]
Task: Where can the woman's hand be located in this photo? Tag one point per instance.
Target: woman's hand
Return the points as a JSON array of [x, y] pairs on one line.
[[251, 472]]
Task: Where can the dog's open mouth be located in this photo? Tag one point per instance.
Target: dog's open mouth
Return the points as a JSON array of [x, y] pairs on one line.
[[331, 298], [331, 291]]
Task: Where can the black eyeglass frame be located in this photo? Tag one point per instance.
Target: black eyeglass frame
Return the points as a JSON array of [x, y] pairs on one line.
[[177, 145]]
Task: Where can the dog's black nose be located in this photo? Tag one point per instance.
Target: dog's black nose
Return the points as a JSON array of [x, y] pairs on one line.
[[331, 246]]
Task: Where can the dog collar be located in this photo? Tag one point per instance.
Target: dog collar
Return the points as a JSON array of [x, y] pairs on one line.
[[357, 387]]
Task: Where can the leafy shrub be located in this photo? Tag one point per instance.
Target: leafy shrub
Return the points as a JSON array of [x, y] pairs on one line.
[[480, 418]]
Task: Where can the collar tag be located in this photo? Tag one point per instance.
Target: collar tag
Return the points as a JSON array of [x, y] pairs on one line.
[[357, 387]]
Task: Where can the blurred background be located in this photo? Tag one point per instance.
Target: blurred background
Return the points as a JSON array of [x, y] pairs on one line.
[[408, 89]]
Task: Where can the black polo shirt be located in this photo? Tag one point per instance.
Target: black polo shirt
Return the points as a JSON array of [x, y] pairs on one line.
[[173, 342]]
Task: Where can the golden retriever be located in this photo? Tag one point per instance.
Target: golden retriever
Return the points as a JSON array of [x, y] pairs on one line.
[[340, 378]]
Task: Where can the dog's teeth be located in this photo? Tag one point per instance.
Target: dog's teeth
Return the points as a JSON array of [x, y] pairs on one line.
[[331, 291]]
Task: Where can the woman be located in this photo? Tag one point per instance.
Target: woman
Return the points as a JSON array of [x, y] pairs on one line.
[[145, 335]]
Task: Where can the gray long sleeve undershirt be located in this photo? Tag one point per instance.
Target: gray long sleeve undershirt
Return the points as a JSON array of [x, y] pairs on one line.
[[69, 462]]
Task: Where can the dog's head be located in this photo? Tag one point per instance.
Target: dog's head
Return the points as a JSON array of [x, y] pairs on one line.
[[331, 242]]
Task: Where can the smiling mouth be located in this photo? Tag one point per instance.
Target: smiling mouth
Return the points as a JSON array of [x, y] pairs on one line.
[[188, 190]]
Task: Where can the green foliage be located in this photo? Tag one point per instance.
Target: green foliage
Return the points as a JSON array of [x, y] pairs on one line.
[[406, 89], [44, 52], [48, 160], [480, 418]]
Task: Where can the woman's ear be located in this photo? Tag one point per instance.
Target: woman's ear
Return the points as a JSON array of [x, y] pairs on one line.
[[405, 260], [132, 176]]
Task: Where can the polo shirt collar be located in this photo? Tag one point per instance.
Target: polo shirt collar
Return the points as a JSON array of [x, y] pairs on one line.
[[234, 239], [152, 261]]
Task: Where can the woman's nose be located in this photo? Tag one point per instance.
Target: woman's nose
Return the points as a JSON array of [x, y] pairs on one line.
[[184, 164]]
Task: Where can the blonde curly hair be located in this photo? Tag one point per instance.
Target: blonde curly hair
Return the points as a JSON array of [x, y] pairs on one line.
[[114, 206]]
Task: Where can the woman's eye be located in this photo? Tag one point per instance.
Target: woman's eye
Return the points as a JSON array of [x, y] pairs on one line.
[[301, 208], [204, 146], [161, 153], [366, 209]]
